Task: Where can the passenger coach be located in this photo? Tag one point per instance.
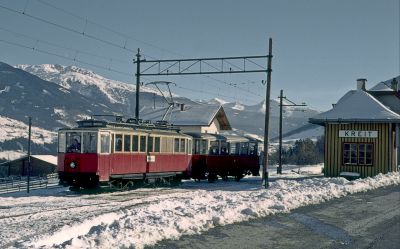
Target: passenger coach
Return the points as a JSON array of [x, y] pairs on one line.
[[223, 155]]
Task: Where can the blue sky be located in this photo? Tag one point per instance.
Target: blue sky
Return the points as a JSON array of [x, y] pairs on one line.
[[320, 47]]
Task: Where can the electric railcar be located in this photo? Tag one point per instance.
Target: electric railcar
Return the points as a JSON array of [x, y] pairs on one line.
[[122, 153]]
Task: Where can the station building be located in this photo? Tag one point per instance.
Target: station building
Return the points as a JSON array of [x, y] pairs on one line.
[[362, 131]]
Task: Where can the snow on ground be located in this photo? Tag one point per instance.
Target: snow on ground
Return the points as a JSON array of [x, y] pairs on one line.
[[145, 216], [11, 128]]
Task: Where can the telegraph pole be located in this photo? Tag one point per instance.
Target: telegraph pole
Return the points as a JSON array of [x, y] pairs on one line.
[[281, 105], [137, 83], [29, 154], [279, 169], [267, 110]]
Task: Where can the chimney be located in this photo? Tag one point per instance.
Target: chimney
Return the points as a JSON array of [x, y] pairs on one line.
[[361, 84]]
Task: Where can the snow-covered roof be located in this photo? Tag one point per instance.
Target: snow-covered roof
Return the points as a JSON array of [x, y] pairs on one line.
[[384, 86], [196, 115], [45, 158], [357, 106], [381, 86]]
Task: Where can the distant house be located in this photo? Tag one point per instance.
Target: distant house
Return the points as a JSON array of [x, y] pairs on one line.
[[362, 131], [40, 165], [196, 118]]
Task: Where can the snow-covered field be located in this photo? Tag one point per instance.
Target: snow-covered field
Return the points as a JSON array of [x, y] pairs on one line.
[[60, 218], [11, 128]]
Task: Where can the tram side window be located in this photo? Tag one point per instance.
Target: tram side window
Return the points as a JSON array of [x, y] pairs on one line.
[[127, 143], [176, 145], [61, 142], [135, 143], [73, 142], [118, 142], [157, 143], [182, 147], [104, 143], [142, 144], [189, 147], [244, 148], [253, 149], [196, 147], [89, 142], [224, 148], [235, 148], [203, 147], [214, 148], [150, 142]]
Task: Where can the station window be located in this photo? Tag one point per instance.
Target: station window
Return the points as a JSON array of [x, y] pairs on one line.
[[118, 142], [150, 141], [176, 145], [89, 142], [182, 145], [127, 143], [142, 144], [105, 143], [157, 143], [135, 143], [214, 148], [357, 153]]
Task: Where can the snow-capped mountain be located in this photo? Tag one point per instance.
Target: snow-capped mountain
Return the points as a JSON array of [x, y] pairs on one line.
[[56, 96]]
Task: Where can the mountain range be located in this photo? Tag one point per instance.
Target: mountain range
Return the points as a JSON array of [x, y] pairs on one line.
[[56, 96]]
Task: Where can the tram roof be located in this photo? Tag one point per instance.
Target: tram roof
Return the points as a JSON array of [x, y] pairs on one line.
[[228, 138]]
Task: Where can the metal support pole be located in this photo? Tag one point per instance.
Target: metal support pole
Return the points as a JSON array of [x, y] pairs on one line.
[[279, 169], [267, 111], [29, 154], [137, 84]]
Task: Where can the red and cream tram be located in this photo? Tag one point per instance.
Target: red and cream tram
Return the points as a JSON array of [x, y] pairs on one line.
[[223, 155], [122, 153]]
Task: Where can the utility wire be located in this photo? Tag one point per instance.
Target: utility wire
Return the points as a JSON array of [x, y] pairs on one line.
[[63, 47], [126, 37], [97, 39], [65, 57], [68, 29]]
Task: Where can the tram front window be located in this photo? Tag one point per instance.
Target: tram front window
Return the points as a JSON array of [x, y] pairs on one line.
[[89, 142], [73, 140]]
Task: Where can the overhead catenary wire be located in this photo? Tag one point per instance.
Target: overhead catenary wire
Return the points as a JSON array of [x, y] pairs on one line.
[[65, 57], [125, 36], [63, 47], [100, 40]]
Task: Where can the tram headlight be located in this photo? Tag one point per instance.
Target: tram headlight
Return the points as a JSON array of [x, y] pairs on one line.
[[72, 165]]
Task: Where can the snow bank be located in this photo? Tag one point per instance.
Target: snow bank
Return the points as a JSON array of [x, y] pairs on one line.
[[192, 212]]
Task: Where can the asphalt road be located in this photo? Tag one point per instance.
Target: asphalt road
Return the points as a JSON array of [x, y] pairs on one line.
[[365, 220]]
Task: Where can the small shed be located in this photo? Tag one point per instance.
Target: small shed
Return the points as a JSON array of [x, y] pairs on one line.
[[361, 133], [40, 165]]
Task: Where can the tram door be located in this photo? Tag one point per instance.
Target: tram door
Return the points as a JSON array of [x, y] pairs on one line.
[[104, 155]]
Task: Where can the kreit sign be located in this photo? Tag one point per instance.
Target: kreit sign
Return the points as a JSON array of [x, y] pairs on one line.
[[360, 134]]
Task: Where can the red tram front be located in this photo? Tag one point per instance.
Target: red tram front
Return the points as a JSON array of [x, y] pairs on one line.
[[121, 153], [224, 155]]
